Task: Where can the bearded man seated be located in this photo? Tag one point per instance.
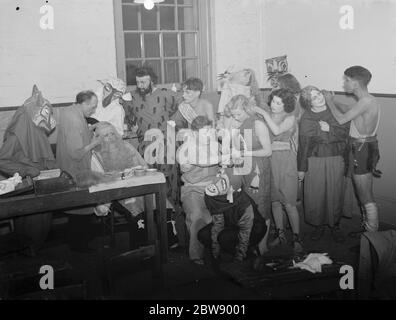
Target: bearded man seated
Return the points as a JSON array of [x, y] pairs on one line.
[[116, 155]]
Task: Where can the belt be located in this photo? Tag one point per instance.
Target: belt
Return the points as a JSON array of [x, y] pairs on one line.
[[281, 146], [363, 140]]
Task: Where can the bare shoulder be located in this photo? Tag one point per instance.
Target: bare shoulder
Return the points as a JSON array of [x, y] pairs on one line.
[[206, 104], [290, 119], [370, 103], [260, 125]]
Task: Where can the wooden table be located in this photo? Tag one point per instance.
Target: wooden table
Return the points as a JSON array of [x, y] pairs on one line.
[[157, 230]]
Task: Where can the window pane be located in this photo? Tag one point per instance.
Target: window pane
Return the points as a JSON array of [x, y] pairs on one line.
[[189, 68], [186, 19], [131, 67], [132, 46], [188, 44], [172, 71], [151, 45], [156, 66], [170, 45], [167, 18], [149, 19], [185, 2], [130, 17]]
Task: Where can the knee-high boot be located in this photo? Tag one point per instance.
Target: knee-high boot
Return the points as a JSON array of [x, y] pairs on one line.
[[372, 223]]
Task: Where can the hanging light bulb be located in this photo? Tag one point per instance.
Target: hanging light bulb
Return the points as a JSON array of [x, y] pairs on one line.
[[149, 4]]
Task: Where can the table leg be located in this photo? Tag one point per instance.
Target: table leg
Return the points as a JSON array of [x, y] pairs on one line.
[[150, 224], [112, 232], [161, 222]]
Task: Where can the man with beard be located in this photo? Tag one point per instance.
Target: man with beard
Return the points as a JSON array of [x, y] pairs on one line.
[[26, 150], [151, 108], [116, 155], [109, 108]]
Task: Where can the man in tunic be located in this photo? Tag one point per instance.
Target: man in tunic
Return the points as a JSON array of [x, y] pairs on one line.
[[26, 150], [75, 143], [151, 108], [364, 117]]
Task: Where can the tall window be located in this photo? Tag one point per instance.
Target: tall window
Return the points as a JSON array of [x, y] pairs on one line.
[[168, 38]]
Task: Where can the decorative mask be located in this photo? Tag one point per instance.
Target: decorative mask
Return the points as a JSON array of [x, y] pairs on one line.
[[221, 187], [44, 118], [113, 89], [40, 111]]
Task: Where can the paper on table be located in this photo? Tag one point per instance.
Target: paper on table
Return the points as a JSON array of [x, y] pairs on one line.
[[48, 174], [149, 178]]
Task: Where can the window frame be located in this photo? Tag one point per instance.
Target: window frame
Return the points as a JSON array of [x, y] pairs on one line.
[[203, 45]]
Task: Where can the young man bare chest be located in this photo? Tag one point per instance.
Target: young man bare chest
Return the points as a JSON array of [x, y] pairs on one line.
[[367, 122]]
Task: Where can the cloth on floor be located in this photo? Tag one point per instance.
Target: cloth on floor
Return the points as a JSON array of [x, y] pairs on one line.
[[314, 262]]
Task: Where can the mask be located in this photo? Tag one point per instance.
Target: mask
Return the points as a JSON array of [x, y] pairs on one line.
[[44, 118], [112, 94], [220, 187]]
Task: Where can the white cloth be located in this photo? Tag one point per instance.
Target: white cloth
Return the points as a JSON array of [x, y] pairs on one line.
[[230, 90], [7, 186], [114, 113], [314, 262]]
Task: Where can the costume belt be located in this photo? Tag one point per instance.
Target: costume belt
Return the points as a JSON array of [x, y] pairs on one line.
[[363, 140], [281, 146]]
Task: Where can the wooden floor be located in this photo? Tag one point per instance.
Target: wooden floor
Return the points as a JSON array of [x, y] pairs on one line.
[[183, 279]]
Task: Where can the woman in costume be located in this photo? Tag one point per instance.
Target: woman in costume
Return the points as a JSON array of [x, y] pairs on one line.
[[320, 162]]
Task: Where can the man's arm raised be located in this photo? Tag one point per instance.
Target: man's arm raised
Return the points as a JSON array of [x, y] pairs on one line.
[[353, 112]]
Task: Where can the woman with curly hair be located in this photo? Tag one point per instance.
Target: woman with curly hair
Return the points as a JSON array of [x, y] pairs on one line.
[[283, 125], [320, 162], [255, 150]]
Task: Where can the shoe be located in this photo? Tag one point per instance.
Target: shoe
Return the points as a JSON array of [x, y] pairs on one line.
[[280, 239], [199, 262], [297, 244], [337, 235], [318, 233]]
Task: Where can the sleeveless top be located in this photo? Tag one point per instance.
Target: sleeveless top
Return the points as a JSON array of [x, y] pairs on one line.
[[354, 132], [249, 124], [287, 140]]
